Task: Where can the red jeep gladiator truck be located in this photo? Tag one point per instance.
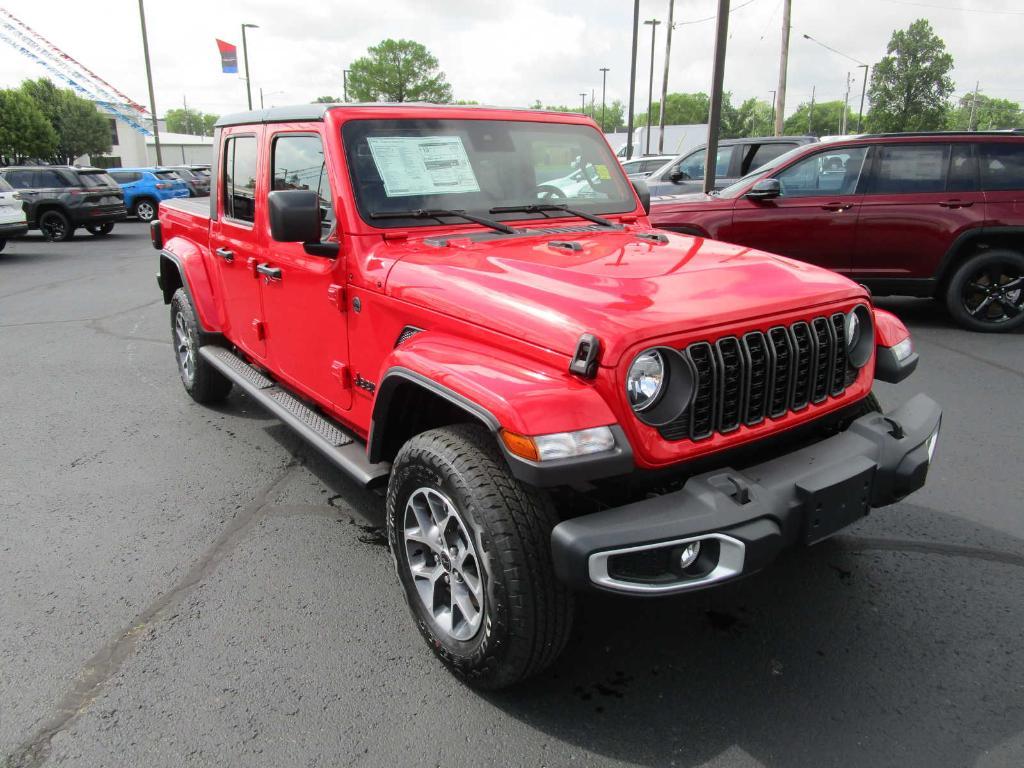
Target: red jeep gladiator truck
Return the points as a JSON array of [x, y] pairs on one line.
[[557, 396]]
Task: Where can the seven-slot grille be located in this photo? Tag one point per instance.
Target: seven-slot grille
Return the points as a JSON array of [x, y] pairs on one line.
[[743, 380]]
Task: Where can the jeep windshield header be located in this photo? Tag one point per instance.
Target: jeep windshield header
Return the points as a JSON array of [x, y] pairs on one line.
[[481, 167]]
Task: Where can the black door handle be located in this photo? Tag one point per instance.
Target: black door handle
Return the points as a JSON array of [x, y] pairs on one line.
[[269, 272], [836, 206], [956, 204], [225, 254]]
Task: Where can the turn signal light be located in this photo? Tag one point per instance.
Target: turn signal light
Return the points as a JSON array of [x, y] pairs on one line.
[[520, 445]]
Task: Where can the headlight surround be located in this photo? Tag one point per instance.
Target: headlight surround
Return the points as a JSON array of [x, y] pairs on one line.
[[646, 379], [860, 336], [660, 384]]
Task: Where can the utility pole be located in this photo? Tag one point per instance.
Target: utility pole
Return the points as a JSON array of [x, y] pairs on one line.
[[245, 55], [780, 112], [583, 103], [344, 84], [604, 87], [664, 79], [149, 81], [772, 126], [650, 85], [188, 121], [593, 112], [810, 114], [261, 98], [632, 80], [974, 104], [863, 90], [846, 107], [717, 79]]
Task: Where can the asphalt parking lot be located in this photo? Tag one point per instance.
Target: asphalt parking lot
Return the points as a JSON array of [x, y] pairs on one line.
[[191, 586]]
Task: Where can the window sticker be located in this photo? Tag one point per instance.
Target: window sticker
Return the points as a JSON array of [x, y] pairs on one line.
[[422, 165], [603, 172]]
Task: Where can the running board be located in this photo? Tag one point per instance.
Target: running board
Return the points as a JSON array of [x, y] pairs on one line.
[[341, 448]]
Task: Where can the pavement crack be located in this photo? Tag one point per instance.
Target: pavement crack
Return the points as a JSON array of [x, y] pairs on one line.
[[866, 543], [107, 661]]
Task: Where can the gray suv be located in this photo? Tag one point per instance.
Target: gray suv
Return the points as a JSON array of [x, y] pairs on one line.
[[60, 198], [736, 158]]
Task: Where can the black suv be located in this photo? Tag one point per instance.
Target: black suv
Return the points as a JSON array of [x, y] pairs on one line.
[[197, 178], [736, 158], [60, 198]]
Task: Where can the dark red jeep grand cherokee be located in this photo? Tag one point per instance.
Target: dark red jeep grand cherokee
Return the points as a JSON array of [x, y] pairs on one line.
[[938, 214]]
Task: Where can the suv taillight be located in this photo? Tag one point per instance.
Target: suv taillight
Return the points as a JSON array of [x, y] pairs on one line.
[[164, 185]]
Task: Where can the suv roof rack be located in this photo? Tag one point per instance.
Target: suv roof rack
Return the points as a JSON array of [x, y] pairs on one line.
[[1005, 132]]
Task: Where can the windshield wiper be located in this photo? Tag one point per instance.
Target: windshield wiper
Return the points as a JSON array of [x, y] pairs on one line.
[[542, 207], [436, 213]]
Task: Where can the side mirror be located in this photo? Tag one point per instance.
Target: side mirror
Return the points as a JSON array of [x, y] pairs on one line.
[[677, 176], [295, 218], [765, 189], [643, 192]]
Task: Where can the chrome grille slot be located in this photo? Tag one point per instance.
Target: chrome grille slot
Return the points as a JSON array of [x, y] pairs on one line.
[[742, 381]]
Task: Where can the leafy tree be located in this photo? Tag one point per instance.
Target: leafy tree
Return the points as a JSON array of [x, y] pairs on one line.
[[681, 109], [192, 122], [398, 70], [327, 100], [826, 120], [989, 114], [911, 86], [24, 130], [613, 113], [81, 129]]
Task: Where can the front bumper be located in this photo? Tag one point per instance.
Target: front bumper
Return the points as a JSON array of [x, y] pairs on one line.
[[13, 229], [744, 519]]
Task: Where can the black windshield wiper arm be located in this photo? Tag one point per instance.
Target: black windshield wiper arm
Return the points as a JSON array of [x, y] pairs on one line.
[[542, 207], [436, 213]]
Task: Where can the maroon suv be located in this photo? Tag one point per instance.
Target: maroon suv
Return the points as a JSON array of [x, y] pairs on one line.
[[938, 214]]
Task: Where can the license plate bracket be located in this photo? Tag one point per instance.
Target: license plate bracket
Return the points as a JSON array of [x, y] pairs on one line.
[[835, 498]]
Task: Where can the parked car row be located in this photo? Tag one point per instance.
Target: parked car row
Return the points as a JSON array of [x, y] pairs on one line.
[[938, 215], [145, 188]]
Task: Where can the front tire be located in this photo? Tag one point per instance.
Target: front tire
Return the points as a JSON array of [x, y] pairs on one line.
[[201, 380], [3, 243], [144, 210], [56, 227], [472, 546], [986, 293], [100, 230]]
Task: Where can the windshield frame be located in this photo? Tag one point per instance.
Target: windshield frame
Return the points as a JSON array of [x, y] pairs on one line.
[[355, 132]]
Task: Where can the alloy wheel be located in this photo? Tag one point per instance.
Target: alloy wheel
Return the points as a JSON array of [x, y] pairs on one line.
[[443, 562], [53, 227], [994, 294], [184, 348], [145, 211]]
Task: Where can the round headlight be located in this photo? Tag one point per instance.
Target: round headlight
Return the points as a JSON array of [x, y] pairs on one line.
[[860, 336], [645, 380]]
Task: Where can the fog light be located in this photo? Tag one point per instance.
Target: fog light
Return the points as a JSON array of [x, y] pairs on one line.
[[689, 555], [903, 350]]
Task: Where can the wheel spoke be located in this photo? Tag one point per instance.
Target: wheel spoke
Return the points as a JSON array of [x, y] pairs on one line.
[[464, 603], [1014, 284], [983, 305], [1010, 309]]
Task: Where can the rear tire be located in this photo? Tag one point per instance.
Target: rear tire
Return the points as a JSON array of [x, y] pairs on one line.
[[472, 546], [56, 227], [201, 380], [144, 210], [3, 244], [100, 230], [986, 293]]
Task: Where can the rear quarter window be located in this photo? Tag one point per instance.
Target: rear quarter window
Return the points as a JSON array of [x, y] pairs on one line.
[[96, 180], [171, 175], [765, 153], [1002, 166]]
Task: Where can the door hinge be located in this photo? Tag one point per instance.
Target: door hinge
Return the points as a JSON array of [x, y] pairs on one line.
[[339, 370], [336, 295], [259, 329]]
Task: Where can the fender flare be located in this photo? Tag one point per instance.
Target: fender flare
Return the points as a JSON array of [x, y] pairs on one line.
[[186, 259]]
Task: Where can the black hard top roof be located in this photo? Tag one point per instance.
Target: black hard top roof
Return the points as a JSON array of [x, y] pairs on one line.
[[306, 112]]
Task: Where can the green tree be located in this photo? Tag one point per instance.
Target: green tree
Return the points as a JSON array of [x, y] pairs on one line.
[[24, 130], [681, 109], [398, 70], [81, 129], [752, 118], [327, 100], [192, 122], [989, 114], [911, 86], [826, 120], [613, 112]]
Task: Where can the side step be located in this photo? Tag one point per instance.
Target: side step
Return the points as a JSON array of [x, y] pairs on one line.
[[341, 448]]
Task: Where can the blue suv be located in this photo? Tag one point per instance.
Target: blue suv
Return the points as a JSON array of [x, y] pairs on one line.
[[145, 188]]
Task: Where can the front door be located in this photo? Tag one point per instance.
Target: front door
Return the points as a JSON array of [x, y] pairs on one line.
[[920, 196], [815, 217], [303, 295], [234, 242]]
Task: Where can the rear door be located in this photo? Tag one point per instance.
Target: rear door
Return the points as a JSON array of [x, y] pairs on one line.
[[234, 239], [815, 217], [10, 206], [303, 295], [919, 197], [1002, 182]]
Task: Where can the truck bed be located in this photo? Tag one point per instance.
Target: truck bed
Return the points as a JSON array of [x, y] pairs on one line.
[[195, 206]]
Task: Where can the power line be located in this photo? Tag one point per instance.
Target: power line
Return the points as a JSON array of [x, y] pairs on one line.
[[712, 18], [954, 8]]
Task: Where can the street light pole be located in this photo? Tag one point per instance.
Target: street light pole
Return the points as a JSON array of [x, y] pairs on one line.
[[245, 56], [604, 84], [149, 81], [632, 81], [863, 90], [583, 104], [664, 80], [650, 85]]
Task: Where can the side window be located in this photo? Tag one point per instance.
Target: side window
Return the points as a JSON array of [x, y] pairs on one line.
[[297, 162], [1002, 166], [832, 172], [240, 178], [692, 166], [963, 169], [904, 169], [20, 179], [121, 178], [50, 180], [765, 153]]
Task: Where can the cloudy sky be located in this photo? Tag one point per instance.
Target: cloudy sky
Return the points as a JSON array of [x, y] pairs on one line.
[[508, 53]]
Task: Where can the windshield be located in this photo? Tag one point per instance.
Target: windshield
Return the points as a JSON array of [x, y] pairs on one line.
[[93, 179], [480, 165], [734, 189]]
